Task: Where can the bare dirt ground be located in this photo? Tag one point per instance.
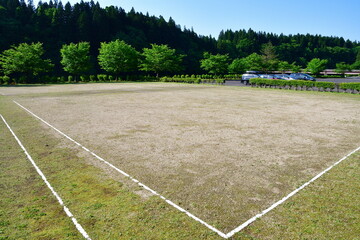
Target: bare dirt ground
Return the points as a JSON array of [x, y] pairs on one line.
[[223, 153]]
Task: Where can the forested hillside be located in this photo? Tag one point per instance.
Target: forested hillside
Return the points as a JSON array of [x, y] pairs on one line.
[[55, 24]]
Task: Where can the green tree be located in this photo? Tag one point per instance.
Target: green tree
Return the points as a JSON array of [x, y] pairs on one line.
[[355, 65], [358, 55], [342, 68], [269, 55], [316, 65], [216, 64], [254, 62], [161, 58], [237, 66], [295, 68], [284, 66], [117, 57], [25, 59], [76, 58]]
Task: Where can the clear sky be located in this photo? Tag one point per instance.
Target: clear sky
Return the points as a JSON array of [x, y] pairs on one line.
[[208, 17]]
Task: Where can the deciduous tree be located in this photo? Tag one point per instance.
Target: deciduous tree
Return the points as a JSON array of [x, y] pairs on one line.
[[254, 62], [316, 65], [161, 58], [76, 58], [25, 59], [118, 57], [342, 67], [216, 64], [237, 66]]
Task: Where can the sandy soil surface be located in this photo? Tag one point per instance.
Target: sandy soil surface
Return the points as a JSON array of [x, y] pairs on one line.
[[223, 153]]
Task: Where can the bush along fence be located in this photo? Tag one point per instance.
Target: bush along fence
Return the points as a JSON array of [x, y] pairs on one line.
[[5, 80], [301, 85], [193, 79]]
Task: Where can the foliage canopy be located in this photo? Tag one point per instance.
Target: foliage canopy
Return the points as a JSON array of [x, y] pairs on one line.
[[161, 58], [76, 58], [316, 65], [25, 59], [216, 64], [117, 57]]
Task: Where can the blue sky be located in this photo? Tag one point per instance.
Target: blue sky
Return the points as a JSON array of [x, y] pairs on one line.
[[208, 17]]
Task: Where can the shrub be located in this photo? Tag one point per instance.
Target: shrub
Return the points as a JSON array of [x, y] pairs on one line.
[[83, 78], [102, 77], [352, 86], [111, 78], [6, 80], [219, 81], [93, 78], [325, 84], [70, 78], [274, 82]]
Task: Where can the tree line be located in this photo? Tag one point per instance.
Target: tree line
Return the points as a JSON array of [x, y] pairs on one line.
[[55, 25]]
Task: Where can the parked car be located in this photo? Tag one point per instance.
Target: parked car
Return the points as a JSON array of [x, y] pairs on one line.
[[302, 76], [283, 77], [247, 76], [267, 76]]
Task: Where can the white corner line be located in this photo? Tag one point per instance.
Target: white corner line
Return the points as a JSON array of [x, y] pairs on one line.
[[127, 175], [66, 210], [245, 224]]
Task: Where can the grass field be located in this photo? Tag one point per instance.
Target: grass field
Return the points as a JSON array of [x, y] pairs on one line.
[[223, 154]]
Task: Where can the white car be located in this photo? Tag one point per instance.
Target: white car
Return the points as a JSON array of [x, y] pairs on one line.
[[247, 76]]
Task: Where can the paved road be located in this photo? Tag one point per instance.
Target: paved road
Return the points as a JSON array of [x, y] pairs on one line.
[[234, 83]]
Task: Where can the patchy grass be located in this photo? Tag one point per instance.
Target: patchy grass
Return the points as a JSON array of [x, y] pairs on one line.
[[106, 208], [109, 206]]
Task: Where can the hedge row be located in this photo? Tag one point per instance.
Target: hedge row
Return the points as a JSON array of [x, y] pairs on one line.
[[290, 83], [352, 86], [192, 80], [176, 79], [5, 80]]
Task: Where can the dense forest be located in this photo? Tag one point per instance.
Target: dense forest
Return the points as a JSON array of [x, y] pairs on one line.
[[55, 24]]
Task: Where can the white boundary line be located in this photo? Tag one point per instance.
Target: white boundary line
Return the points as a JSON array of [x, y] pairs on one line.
[[127, 175], [67, 211], [245, 224], [231, 233]]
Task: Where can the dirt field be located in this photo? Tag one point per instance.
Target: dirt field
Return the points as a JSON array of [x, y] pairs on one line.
[[223, 153]]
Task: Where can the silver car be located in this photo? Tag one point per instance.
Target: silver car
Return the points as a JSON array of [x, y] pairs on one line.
[[247, 76], [283, 77]]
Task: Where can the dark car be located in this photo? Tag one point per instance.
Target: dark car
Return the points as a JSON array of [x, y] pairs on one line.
[[302, 76]]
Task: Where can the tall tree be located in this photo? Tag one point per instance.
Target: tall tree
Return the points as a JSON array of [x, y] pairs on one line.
[[342, 68], [254, 62], [76, 58], [270, 57], [118, 57], [161, 58], [25, 60], [237, 66], [316, 65], [216, 64]]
